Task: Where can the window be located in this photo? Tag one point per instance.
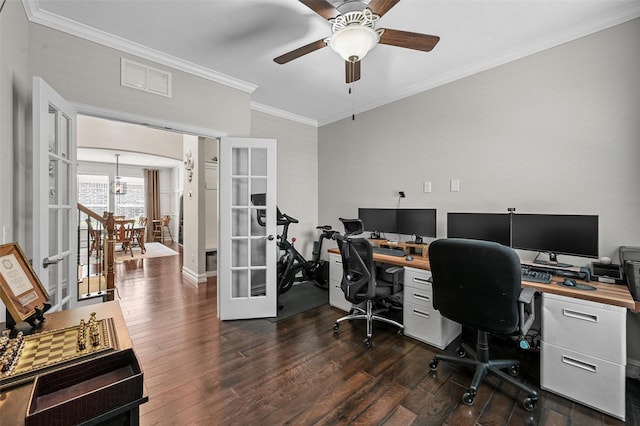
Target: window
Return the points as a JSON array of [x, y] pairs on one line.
[[93, 192], [131, 204]]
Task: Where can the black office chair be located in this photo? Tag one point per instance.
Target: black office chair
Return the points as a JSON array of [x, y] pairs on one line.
[[478, 284], [360, 283]]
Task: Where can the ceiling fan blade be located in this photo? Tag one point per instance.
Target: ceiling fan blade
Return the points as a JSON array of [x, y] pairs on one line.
[[300, 51], [380, 7], [409, 40], [352, 71], [322, 8]]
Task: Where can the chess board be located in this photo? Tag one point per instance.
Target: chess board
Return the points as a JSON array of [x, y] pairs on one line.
[[53, 348]]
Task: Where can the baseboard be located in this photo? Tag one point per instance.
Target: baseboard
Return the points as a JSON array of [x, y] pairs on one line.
[[194, 276], [633, 368]]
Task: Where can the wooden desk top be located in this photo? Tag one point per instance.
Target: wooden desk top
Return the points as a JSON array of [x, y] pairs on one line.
[[14, 400], [610, 294]]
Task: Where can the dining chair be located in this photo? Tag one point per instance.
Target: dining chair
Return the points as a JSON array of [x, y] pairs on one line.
[[160, 227]]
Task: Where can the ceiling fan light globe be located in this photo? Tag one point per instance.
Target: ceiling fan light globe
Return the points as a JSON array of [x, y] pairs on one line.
[[353, 42]]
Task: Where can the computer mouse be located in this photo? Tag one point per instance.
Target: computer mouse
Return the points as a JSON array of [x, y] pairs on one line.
[[569, 282], [409, 257]]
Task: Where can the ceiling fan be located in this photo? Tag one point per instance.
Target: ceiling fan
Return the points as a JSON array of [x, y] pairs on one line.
[[354, 33]]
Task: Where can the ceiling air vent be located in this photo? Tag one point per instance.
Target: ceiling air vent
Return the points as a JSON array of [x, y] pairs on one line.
[[147, 79]]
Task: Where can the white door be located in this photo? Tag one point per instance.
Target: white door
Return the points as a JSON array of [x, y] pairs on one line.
[[54, 195], [247, 250]]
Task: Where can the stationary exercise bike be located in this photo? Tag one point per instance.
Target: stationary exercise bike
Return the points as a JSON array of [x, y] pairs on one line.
[[292, 266]]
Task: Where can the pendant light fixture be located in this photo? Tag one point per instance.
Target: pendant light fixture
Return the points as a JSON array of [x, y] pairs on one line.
[[118, 186]]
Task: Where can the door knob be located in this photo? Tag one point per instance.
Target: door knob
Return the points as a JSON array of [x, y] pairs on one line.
[[46, 262]]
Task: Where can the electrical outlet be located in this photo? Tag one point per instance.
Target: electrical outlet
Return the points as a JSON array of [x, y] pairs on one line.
[[193, 258], [455, 185], [426, 187]]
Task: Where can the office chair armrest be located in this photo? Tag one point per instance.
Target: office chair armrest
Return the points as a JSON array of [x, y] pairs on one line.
[[527, 309], [395, 272], [394, 269]]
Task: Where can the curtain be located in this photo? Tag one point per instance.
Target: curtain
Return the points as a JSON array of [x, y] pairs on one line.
[[152, 201]]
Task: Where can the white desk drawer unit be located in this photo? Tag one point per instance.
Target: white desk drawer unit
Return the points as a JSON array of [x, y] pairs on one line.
[[336, 295], [421, 321], [583, 353]]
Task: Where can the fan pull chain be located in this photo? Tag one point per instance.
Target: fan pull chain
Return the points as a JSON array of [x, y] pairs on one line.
[[353, 103]]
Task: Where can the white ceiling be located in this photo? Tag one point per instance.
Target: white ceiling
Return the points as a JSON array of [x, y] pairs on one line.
[[235, 41]]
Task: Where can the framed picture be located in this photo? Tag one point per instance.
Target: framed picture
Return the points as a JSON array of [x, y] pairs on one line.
[[20, 288]]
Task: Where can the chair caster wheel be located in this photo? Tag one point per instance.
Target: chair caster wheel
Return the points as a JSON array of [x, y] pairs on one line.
[[461, 352], [468, 398], [400, 332], [336, 327], [529, 404], [367, 342], [433, 364]]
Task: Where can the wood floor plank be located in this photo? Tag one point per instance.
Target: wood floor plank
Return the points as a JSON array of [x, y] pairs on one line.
[[202, 371]]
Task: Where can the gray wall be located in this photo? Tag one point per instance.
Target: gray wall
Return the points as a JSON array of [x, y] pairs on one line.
[[15, 104], [297, 173], [556, 132], [88, 74]]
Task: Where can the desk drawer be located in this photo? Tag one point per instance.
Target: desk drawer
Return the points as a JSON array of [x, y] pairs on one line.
[[335, 267], [418, 296], [588, 380], [417, 278], [336, 295], [427, 325], [591, 328]]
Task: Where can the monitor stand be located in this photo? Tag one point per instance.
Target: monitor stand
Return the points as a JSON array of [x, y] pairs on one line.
[[553, 261]]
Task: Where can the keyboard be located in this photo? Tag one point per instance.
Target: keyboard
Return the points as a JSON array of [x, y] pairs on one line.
[[389, 251], [536, 276]]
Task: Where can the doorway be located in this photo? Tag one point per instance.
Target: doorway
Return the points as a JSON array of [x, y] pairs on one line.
[[142, 143]]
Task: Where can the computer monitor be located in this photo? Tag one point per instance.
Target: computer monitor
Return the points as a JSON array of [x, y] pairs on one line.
[[573, 235], [420, 222], [494, 227], [380, 220]]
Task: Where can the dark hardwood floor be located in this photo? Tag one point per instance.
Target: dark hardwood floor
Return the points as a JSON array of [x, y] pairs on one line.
[[199, 370]]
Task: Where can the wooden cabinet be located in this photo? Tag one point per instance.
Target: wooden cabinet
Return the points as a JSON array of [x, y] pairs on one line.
[[421, 320], [583, 353]]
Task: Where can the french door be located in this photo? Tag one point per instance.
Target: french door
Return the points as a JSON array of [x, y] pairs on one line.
[[247, 250], [54, 195]]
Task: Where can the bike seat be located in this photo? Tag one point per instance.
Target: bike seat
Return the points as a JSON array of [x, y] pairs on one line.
[[324, 227]]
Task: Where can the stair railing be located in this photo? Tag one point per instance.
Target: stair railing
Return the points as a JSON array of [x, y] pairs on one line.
[[96, 237]]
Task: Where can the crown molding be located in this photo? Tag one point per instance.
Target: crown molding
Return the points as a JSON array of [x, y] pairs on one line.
[[39, 16], [283, 114], [553, 40], [36, 15]]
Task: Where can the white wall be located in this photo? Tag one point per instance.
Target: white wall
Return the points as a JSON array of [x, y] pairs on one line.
[[556, 132], [100, 133], [194, 264]]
